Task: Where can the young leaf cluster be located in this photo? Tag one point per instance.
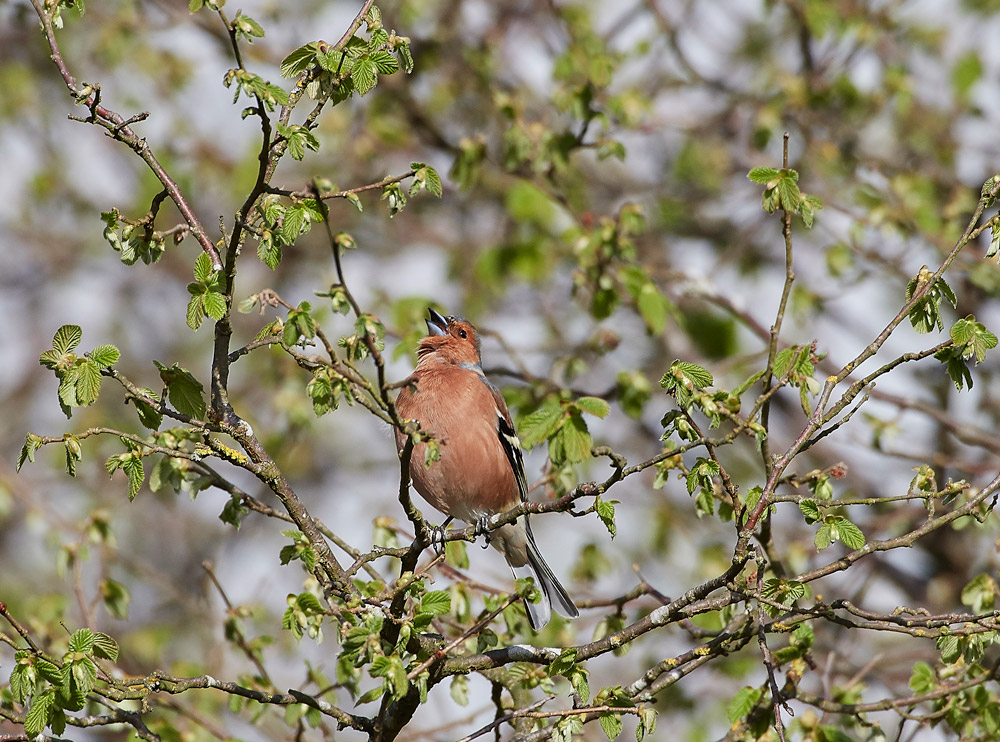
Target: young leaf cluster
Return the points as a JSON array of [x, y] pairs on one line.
[[134, 241], [51, 689], [337, 73], [925, 316], [207, 293], [969, 341], [79, 375], [560, 422], [781, 191]]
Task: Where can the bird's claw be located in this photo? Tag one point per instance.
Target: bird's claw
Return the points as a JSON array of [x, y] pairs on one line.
[[437, 540], [483, 529]]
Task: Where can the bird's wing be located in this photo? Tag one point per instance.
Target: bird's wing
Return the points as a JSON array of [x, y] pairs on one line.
[[509, 441]]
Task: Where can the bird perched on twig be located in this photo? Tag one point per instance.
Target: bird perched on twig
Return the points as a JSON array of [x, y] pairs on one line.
[[479, 471]]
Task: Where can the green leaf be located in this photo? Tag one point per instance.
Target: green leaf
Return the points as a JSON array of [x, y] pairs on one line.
[[320, 391], [460, 690], [293, 224], [148, 415], [647, 723], [269, 252], [593, 406], [88, 382], [683, 379], [823, 537], [73, 453], [373, 18], [136, 475], [762, 175], [215, 305], [104, 356], [980, 593], [850, 535], [385, 62], [354, 199], [38, 714], [425, 177], [364, 74], [31, 444], [195, 311], [611, 724], [84, 673], [66, 339], [299, 60], [105, 647], [393, 194], [436, 602], [606, 512], [743, 703], [966, 73], [540, 424], [653, 307], [563, 663], [922, 679], [82, 641], [572, 442], [184, 391], [202, 268], [810, 510], [247, 27]]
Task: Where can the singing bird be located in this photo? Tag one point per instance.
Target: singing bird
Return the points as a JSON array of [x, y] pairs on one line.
[[480, 471]]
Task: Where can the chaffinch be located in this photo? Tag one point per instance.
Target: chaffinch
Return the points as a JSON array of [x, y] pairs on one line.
[[480, 471]]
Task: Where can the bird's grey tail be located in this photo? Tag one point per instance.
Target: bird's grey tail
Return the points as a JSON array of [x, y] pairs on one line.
[[548, 585]]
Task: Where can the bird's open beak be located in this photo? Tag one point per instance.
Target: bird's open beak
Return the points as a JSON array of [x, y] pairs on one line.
[[436, 325]]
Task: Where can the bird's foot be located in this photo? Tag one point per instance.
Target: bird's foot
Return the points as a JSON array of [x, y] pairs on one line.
[[483, 529], [436, 537], [437, 540]]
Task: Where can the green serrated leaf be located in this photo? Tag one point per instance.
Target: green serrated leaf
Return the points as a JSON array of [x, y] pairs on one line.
[[215, 305], [593, 406], [269, 252], [105, 647], [540, 424], [66, 339], [136, 475], [810, 510], [606, 512], [823, 537], [202, 268], [183, 390], [104, 356], [762, 175], [292, 224], [572, 442], [148, 415], [88, 382], [38, 714], [850, 535], [743, 703], [436, 602], [195, 311], [611, 724], [364, 74], [385, 62], [299, 60]]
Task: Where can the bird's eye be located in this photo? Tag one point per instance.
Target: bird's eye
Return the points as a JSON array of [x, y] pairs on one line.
[[463, 334]]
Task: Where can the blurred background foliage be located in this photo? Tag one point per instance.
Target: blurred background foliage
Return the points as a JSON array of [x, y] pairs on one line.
[[596, 222]]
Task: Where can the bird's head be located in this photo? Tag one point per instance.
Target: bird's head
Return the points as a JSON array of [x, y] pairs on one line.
[[450, 339]]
